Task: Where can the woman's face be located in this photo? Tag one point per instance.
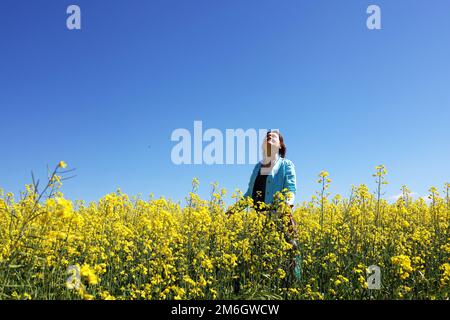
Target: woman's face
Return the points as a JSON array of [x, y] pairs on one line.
[[271, 143]]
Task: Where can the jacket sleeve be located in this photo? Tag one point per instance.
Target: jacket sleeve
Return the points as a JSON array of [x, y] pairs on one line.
[[290, 180]]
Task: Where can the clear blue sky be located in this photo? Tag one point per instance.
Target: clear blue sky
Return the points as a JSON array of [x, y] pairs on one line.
[[106, 98]]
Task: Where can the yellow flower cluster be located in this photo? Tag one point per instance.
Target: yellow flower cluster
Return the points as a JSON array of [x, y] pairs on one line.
[[130, 248], [402, 265]]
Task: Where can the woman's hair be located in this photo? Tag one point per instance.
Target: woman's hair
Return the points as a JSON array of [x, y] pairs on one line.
[[282, 146]]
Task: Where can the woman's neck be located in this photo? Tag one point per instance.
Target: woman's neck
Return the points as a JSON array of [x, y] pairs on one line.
[[269, 161]]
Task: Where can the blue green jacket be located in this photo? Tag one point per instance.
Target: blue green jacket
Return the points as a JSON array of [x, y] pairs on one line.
[[282, 176]]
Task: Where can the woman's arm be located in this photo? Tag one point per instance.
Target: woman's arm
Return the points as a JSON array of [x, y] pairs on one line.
[[290, 181], [248, 193]]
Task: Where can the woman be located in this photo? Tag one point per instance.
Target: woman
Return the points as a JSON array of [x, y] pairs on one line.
[[274, 173]]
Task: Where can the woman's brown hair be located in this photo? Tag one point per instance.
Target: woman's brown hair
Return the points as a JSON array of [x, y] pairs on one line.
[[282, 146]]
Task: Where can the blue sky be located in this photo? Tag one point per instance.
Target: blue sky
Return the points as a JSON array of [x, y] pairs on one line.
[[106, 98]]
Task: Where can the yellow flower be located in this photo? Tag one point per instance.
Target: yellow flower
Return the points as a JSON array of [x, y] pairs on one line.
[[402, 263], [445, 279], [62, 164], [188, 280], [281, 273], [89, 273], [27, 296], [107, 296]]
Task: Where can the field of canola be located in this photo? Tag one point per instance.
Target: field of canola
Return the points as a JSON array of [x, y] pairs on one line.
[[130, 248]]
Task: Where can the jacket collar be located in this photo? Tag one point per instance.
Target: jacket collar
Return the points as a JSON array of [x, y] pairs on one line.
[[275, 167]]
